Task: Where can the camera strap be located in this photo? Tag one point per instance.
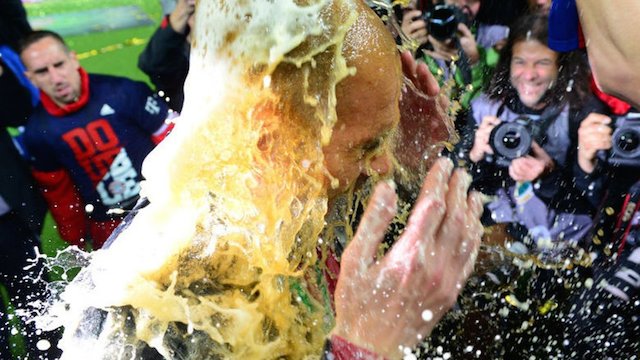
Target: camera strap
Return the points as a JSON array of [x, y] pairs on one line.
[[539, 133]]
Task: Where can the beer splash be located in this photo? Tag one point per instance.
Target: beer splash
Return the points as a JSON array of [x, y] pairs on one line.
[[213, 267]]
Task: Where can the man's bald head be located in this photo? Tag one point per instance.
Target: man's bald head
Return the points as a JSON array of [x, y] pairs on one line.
[[366, 100]]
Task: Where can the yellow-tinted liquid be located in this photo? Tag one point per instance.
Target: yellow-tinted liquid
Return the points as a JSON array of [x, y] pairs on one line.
[[217, 261]]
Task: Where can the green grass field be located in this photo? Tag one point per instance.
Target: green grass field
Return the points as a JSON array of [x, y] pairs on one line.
[[112, 52]]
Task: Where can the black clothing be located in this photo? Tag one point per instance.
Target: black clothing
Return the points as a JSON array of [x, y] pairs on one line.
[[165, 60]]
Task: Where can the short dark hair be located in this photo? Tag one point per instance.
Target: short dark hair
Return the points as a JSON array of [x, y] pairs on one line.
[[38, 35]]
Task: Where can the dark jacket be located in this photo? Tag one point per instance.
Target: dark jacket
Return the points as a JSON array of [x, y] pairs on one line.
[[17, 187], [165, 60]]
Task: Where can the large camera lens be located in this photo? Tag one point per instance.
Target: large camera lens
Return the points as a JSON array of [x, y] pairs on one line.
[[511, 140], [628, 141], [442, 22], [625, 149]]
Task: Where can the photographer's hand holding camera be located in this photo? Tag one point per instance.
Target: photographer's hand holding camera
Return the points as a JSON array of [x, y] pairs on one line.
[[414, 26], [594, 135], [449, 49], [481, 146]]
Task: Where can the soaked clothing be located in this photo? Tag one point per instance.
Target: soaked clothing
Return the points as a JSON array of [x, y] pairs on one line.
[[88, 155], [548, 209]]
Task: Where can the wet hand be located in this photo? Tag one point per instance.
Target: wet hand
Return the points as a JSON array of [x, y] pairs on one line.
[[594, 134], [481, 145], [424, 123], [387, 303]]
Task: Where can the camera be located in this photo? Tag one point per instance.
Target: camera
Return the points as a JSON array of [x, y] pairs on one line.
[[625, 141], [442, 21], [511, 140]]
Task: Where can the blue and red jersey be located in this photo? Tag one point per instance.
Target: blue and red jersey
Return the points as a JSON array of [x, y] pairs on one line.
[[91, 151]]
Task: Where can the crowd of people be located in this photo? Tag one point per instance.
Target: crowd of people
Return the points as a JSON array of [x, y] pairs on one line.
[[549, 133]]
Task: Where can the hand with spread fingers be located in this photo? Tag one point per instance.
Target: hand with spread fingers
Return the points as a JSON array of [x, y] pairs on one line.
[[391, 302]]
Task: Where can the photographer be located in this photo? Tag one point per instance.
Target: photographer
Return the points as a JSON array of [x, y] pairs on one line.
[[459, 41], [540, 96], [607, 170]]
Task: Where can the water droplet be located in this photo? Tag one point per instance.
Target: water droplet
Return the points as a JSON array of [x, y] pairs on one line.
[[43, 345], [427, 315]]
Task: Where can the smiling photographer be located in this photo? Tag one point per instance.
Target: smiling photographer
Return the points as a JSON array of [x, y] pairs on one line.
[[520, 137]]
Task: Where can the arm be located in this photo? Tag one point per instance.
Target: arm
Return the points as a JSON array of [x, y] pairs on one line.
[[65, 205], [419, 279], [166, 62], [614, 55]]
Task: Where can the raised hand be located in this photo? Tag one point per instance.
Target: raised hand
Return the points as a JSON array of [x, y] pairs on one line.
[[481, 145], [594, 134], [388, 303], [414, 27], [424, 122], [181, 15]]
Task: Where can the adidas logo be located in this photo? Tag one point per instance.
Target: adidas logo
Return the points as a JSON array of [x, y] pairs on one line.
[[106, 110]]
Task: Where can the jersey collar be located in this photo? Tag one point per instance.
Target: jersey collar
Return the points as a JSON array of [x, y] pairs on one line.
[[52, 108]]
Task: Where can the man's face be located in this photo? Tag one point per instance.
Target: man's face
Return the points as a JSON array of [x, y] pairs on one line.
[[534, 70], [53, 70], [368, 114]]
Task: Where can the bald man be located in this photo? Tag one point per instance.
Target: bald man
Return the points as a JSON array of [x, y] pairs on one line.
[[612, 42], [383, 304], [414, 289]]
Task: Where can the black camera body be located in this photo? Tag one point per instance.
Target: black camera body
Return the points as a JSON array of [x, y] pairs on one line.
[[625, 141], [511, 140], [442, 21]]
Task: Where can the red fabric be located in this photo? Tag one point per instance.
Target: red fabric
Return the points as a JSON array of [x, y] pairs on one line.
[[165, 22], [101, 230], [344, 350], [157, 138], [617, 106], [65, 205], [55, 110]]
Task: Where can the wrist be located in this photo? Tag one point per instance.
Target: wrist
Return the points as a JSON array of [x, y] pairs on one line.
[[344, 349], [178, 22], [475, 155], [587, 165]]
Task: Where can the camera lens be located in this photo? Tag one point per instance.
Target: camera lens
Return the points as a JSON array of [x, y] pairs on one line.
[[628, 141], [442, 23], [511, 139]]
